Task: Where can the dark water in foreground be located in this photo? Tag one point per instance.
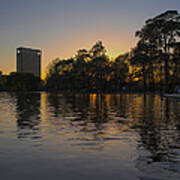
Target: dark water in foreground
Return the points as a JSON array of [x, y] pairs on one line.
[[49, 136]]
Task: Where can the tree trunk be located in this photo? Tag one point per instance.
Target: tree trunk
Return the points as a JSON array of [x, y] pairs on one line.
[[144, 79], [166, 68], [166, 75]]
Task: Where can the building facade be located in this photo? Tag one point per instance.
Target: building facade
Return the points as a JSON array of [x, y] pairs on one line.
[[28, 61]]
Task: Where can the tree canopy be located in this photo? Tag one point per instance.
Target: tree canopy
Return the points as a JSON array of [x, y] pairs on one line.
[[152, 65]]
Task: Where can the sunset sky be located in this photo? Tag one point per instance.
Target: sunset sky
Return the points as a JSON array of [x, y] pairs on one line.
[[61, 27]]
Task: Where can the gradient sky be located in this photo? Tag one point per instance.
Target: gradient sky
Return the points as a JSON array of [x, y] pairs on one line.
[[61, 27]]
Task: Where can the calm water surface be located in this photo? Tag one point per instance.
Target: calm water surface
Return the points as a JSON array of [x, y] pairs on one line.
[[55, 136]]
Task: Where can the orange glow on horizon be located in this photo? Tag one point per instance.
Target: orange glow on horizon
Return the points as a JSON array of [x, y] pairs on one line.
[[113, 42]]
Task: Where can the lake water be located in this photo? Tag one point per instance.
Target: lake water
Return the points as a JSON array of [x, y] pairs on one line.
[[74, 137]]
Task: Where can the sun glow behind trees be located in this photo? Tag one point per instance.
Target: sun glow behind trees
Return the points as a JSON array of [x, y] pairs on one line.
[[149, 66]]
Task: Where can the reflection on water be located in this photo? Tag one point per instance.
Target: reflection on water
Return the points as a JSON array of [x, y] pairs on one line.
[[28, 114], [121, 136], [91, 119]]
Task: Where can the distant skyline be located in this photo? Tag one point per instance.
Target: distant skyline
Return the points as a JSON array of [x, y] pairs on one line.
[[61, 27]]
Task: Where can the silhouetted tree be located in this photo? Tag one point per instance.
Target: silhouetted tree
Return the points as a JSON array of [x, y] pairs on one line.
[[88, 71], [23, 82], [119, 72], [153, 63], [141, 59], [162, 31], [59, 74]]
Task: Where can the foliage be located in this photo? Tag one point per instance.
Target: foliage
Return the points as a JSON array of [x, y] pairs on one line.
[[89, 71], [160, 33], [152, 65], [23, 82]]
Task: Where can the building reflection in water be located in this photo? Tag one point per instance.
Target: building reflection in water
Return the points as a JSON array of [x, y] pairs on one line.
[[28, 115]]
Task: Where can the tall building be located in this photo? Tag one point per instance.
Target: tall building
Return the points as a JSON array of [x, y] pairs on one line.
[[28, 61]]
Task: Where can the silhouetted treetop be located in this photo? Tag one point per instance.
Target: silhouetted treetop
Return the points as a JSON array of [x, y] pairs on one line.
[[97, 50]]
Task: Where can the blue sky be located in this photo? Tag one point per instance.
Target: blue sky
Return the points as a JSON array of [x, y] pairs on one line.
[[60, 27]]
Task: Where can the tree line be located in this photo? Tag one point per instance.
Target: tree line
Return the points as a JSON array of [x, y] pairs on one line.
[[152, 65], [21, 82], [89, 71]]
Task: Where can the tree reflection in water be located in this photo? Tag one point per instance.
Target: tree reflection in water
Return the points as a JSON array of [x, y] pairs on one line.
[[90, 122], [100, 118], [159, 134], [93, 119]]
